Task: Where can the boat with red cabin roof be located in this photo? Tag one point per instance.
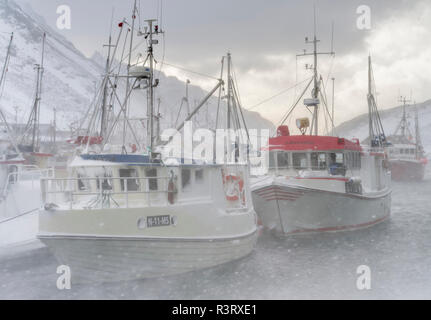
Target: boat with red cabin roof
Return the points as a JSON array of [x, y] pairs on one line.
[[321, 183], [407, 156]]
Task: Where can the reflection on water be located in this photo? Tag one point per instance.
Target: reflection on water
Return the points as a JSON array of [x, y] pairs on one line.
[[314, 266]]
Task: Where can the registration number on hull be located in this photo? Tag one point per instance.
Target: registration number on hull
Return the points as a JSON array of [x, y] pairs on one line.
[[159, 221]]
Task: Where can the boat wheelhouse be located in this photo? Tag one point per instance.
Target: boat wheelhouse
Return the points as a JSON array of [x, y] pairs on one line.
[[123, 217]]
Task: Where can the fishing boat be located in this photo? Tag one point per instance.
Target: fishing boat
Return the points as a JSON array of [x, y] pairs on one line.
[[319, 183], [134, 215], [406, 153], [30, 144], [20, 197]]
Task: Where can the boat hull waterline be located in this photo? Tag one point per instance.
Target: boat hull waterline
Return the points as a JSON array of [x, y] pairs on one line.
[[111, 259], [293, 210], [407, 170]]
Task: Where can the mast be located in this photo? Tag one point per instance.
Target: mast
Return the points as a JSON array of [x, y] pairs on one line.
[[314, 102], [37, 101], [2, 79], [376, 130], [229, 90], [418, 140], [370, 104], [126, 109], [103, 124], [54, 137], [6, 61], [333, 106], [150, 108], [403, 125]]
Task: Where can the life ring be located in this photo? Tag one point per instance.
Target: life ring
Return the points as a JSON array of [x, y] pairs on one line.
[[234, 186]]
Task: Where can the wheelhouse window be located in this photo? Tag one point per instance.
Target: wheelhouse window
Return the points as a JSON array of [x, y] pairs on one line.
[[152, 183], [318, 161], [129, 179], [185, 177], [299, 161], [272, 159], [83, 181], [337, 164], [104, 180], [283, 160]]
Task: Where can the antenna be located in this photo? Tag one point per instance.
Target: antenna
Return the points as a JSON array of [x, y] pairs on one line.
[[314, 102], [332, 37]]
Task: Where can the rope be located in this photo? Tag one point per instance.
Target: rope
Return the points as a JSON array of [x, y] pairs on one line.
[[190, 71], [19, 216], [277, 95]]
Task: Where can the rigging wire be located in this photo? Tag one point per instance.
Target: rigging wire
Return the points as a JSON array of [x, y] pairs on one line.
[[191, 71], [277, 95], [289, 112]]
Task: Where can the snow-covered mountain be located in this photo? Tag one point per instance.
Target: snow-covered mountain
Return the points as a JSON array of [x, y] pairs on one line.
[[70, 77], [358, 127]]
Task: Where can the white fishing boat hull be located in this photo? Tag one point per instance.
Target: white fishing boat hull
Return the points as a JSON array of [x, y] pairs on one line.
[[289, 209], [100, 247], [19, 230], [98, 259], [19, 209]]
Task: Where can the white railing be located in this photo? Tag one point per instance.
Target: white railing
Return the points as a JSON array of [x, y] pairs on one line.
[[26, 173], [99, 192], [368, 149]]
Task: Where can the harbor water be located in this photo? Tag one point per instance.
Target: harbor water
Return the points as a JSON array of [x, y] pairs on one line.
[[315, 266]]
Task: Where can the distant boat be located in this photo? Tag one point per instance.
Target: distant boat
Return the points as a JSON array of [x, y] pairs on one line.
[[406, 153], [322, 183], [20, 197]]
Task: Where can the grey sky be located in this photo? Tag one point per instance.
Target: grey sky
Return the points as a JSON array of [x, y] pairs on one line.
[[265, 36]]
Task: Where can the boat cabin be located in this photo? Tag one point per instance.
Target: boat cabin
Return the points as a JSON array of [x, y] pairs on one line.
[[404, 152], [133, 181], [331, 155]]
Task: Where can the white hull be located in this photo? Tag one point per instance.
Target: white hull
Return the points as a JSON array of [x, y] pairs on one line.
[[110, 259], [19, 210], [290, 209], [19, 230]]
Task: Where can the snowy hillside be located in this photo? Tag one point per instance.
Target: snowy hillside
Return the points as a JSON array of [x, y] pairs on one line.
[[70, 78], [358, 127]]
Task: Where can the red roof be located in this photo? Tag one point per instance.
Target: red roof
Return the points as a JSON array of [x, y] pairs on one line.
[[312, 143]]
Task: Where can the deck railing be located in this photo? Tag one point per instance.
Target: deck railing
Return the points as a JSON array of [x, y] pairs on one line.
[[102, 192], [29, 173]]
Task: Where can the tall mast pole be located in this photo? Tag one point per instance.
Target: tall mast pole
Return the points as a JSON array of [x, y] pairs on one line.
[[316, 90], [370, 107], [333, 106], [229, 91], [126, 109], [38, 98], [404, 119], [316, 84], [2, 79], [4, 70], [150, 111], [103, 125]]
